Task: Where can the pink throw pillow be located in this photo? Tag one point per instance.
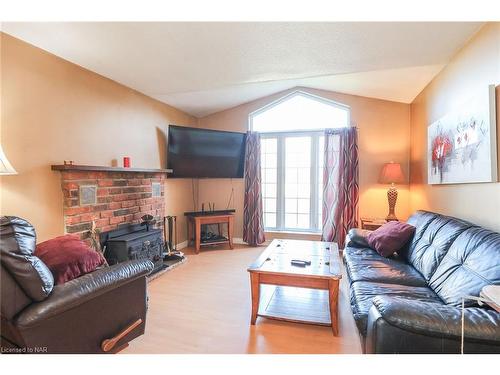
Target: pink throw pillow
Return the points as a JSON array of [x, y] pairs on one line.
[[68, 257], [390, 237]]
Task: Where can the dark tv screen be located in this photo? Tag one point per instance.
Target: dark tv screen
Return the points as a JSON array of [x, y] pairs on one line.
[[204, 153]]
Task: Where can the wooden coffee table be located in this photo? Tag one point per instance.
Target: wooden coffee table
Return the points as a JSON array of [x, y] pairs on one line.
[[273, 267]]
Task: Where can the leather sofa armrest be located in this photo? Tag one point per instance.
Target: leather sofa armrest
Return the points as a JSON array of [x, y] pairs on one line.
[[482, 325], [78, 291], [356, 237]]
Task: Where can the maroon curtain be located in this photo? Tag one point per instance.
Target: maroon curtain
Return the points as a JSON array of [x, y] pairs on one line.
[[253, 220], [330, 184], [341, 184]]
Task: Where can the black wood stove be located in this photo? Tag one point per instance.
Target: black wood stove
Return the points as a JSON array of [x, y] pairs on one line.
[[134, 241]]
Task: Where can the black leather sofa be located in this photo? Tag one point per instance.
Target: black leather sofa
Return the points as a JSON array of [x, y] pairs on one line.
[[411, 302], [74, 317]]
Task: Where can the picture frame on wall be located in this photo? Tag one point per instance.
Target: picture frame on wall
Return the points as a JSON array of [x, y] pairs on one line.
[[461, 146]]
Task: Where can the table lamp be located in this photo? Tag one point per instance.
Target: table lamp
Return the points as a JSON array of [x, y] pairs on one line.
[[5, 167], [391, 174]]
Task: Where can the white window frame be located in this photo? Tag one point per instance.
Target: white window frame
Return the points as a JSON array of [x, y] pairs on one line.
[[315, 134], [280, 180]]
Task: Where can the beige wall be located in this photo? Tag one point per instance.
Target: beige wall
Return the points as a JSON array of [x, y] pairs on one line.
[[475, 67], [384, 131], [53, 110]]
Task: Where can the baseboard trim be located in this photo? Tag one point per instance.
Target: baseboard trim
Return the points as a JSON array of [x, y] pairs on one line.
[[182, 245], [236, 240]]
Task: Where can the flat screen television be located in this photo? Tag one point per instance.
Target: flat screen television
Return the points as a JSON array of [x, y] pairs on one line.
[[204, 153]]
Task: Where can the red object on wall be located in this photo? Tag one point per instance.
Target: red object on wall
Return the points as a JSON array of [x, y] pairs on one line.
[[126, 162]]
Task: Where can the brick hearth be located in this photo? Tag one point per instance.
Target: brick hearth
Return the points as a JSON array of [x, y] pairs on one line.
[[122, 197]]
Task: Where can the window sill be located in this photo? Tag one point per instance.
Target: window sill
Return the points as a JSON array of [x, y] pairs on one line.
[[275, 231], [292, 235]]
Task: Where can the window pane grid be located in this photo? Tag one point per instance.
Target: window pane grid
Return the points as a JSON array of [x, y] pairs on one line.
[[297, 181], [321, 158], [269, 171]]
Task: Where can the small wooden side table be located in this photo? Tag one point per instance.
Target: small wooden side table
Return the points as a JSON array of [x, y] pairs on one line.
[[195, 221], [371, 223]]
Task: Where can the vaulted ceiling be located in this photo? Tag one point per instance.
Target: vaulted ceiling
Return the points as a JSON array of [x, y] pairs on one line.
[[203, 68]]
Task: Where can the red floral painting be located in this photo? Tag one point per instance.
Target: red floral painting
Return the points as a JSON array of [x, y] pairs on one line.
[[462, 144], [442, 148]]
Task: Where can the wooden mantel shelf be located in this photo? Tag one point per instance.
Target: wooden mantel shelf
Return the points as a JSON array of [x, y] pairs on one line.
[[96, 168]]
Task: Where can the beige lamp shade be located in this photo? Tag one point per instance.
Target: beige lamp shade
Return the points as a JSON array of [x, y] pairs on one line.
[[391, 174], [5, 167]]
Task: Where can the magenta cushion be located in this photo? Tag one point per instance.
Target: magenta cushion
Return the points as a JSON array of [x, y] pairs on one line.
[[68, 257], [390, 237]]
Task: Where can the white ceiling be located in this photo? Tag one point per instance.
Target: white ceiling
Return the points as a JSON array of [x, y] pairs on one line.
[[203, 68]]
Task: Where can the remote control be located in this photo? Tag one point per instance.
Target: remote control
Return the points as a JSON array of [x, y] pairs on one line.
[[300, 263]]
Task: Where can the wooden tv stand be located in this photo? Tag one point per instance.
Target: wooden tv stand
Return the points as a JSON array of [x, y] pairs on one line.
[[196, 219]]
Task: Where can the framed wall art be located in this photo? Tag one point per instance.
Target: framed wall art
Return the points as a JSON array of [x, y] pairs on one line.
[[462, 145]]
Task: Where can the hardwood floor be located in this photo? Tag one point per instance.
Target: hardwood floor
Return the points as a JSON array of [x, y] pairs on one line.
[[203, 306]]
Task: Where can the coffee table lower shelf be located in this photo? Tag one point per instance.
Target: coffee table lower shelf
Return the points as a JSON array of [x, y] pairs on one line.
[[298, 305]]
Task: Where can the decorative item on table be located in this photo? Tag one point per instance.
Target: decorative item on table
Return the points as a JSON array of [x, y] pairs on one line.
[[148, 221], [95, 242], [170, 239], [126, 162], [5, 167], [461, 146], [392, 174], [68, 162]]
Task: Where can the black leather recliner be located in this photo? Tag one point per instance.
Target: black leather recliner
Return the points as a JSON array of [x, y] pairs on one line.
[[74, 317], [411, 302]]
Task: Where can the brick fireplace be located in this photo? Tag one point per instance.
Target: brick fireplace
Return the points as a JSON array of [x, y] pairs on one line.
[[110, 197]]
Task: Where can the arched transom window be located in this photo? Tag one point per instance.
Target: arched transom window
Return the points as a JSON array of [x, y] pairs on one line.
[[292, 147]]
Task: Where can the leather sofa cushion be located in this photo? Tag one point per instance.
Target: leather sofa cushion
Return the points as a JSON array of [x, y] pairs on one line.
[[376, 268], [68, 257], [357, 237], [358, 253], [17, 245], [13, 297], [433, 243], [420, 220], [472, 262], [439, 320], [363, 293]]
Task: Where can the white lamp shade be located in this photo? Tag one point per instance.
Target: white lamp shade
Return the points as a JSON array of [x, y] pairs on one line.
[[5, 167]]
